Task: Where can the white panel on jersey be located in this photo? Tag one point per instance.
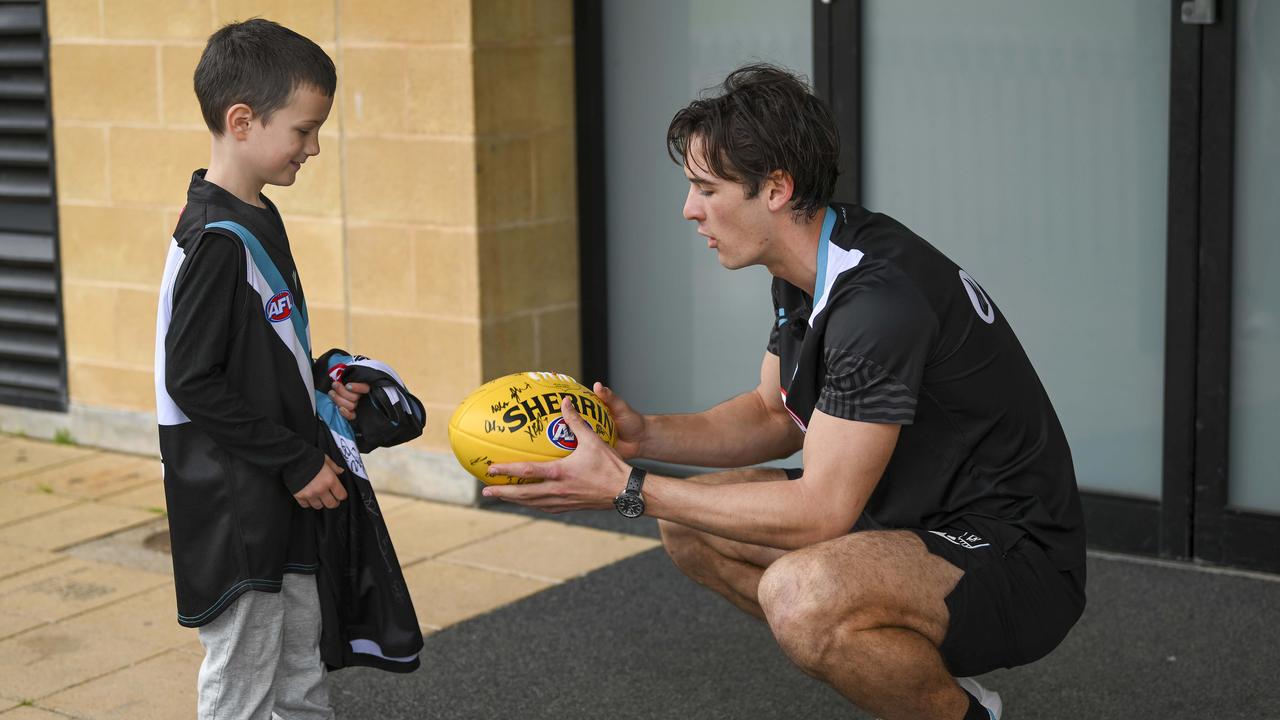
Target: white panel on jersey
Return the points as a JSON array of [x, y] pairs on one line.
[[167, 412], [839, 261]]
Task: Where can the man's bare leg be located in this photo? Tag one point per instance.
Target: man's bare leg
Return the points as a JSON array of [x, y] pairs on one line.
[[730, 568], [866, 613]]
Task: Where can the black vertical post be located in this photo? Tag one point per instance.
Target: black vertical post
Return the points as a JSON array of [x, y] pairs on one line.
[[1182, 288], [837, 78], [1217, 210], [588, 48]]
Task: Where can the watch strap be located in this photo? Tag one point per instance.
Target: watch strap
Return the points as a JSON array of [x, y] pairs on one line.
[[635, 481]]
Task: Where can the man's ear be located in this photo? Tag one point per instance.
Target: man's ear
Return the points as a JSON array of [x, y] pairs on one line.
[[778, 189], [239, 118]]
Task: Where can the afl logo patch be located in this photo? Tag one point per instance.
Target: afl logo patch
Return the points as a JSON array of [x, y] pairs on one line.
[[979, 298], [337, 371], [280, 307], [560, 435]]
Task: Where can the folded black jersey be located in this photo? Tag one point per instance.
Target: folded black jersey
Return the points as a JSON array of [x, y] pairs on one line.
[[389, 414], [367, 615]]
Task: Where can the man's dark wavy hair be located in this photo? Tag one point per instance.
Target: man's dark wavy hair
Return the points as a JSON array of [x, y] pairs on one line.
[[763, 119], [258, 63]]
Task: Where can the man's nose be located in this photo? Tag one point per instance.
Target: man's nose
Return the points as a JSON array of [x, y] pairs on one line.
[[692, 207]]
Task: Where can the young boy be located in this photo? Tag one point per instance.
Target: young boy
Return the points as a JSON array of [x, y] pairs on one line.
[[234, 390]]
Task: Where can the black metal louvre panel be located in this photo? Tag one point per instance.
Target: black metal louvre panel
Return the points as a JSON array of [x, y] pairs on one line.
[[32, 368]]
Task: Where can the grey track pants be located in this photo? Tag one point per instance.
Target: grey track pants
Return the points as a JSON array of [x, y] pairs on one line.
[[262, 657]]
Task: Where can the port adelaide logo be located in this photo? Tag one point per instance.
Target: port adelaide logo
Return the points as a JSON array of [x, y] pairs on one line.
[[279, 307], [560, 435]]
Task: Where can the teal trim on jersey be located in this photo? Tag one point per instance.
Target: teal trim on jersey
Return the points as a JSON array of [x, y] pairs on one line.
[[232, 593], [828, 225], [272, 274], [327, 409]]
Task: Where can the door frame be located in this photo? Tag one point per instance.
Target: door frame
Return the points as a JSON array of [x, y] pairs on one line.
[[1219, 532]]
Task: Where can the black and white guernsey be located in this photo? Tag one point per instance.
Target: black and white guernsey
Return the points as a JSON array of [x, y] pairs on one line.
[[243, 427], [235, 400], [368, 615], [896, 332]]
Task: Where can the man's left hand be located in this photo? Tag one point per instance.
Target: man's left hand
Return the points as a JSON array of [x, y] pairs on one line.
[[588, 479], [347, 396]]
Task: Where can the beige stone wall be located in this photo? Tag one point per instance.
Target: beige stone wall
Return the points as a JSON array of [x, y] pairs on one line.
[[436, 230]]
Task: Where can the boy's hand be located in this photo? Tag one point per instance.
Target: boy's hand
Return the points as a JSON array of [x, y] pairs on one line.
[[324, 490], [346, 396]]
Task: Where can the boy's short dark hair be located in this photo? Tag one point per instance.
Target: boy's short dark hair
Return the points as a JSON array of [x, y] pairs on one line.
[[764, 119], [258, 63]]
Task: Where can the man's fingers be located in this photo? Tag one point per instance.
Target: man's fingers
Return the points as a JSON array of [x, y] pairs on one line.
[[339, 492], [337, 470], [544, 470], [581, 428], [601, 391], [531, 492]]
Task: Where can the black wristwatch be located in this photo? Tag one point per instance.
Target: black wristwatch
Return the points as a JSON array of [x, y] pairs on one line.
[[630, 503]]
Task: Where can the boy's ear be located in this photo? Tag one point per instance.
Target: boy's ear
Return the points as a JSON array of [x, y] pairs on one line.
[[239, 118], [778, 189]]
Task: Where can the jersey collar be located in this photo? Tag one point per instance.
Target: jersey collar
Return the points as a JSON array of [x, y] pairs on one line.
[[828, 225]]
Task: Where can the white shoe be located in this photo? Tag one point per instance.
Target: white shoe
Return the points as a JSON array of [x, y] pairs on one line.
[[988, 698]]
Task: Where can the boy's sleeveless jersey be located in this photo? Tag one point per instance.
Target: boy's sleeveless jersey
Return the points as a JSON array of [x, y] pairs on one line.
[[897, 333], [238, 428]]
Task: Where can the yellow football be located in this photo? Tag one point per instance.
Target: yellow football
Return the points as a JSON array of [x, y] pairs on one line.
[[517, 418]]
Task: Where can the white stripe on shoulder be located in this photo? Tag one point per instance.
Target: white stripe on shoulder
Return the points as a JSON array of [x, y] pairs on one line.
[[839, 261]]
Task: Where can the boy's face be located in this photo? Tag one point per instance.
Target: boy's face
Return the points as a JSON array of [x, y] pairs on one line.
[[278, 148]]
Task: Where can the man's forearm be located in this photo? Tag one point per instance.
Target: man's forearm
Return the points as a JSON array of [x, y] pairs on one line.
[[735, 433], [780, 514]]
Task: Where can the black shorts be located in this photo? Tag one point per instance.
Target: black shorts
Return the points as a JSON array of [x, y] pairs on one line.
[[1009, 608]]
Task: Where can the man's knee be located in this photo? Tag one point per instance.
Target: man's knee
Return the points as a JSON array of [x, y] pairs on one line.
[[800, 600], [686, 549]]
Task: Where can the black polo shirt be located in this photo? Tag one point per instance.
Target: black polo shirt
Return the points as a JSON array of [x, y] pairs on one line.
[[898, 333]]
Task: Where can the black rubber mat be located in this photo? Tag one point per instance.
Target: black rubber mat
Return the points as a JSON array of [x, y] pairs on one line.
[[638, 640]]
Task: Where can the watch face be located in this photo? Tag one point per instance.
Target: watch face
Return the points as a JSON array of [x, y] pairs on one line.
[[629, 505]]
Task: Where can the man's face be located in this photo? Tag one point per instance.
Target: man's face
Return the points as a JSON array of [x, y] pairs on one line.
[[278, 147], [735, 226]]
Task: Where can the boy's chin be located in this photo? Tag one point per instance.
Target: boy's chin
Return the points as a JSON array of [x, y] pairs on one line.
[[284, 180]]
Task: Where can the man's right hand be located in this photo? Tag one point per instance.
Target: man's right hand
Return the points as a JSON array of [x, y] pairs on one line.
[[631, 424], [325, 489]]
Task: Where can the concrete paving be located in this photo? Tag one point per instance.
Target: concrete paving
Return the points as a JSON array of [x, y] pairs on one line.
[[87, 616]]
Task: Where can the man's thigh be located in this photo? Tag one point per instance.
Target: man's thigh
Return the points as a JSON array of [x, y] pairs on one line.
[[864, 581]]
